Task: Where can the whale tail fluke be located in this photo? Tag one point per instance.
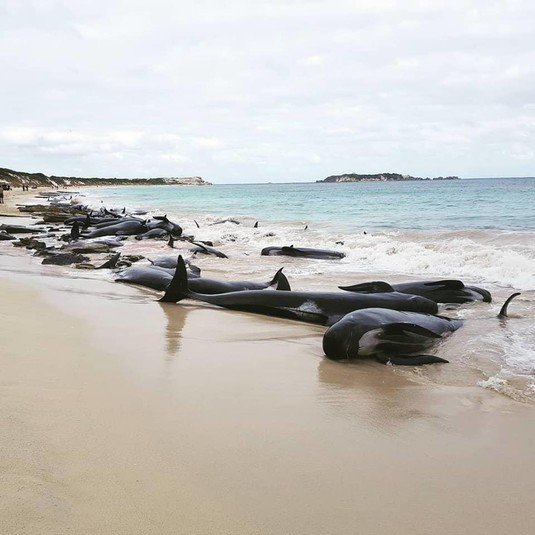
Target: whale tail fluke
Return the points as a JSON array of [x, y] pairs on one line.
[[178, 287], [503, 311], [412, 360]]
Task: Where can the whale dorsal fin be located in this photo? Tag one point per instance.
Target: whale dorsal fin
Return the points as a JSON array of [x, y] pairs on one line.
[[111, 263], [369, 287], [282, 283], [503, 311], [450, 284]]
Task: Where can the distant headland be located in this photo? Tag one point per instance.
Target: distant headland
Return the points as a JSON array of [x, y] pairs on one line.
[[19, 178], [380, 177]]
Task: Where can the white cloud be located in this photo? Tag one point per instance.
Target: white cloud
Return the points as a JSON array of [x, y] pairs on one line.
[[279, 90]]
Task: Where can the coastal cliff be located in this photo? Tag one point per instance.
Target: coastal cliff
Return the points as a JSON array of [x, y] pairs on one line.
[[380, 177], [19, 178]]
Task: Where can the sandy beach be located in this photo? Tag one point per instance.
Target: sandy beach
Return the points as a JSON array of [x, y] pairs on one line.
[[122, 415], [14, 197]]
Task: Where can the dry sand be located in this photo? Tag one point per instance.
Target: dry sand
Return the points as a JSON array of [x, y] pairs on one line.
[[120, 415], [17, 196]]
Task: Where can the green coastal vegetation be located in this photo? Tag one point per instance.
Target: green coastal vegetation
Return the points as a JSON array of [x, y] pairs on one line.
[[379, 177]]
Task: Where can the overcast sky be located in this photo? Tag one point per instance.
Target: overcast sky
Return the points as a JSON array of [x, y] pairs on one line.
[[241, 91]]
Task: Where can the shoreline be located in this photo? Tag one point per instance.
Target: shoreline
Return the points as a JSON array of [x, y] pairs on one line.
[[214, 421]]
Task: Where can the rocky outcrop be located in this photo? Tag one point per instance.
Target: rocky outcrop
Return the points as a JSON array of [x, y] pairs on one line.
[[19, 178], [381, 177]]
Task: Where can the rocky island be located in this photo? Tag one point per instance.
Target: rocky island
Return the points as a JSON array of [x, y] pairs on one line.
[[380, 177], [19, 178]]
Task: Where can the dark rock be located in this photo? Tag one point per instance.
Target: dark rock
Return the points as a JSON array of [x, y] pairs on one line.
[[87, 248], [133, 257], [17, 229], [65, 259]]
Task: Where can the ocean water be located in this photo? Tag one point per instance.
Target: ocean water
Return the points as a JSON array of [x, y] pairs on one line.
[[502, 204], [481, 231]]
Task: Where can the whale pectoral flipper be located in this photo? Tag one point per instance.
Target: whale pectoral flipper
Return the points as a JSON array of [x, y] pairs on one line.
[[400, 328], [369, 287], [450, 284], [411, 360]]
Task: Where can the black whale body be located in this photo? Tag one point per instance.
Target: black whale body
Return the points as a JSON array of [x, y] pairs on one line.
[[201, 248], [442, 291], [390, 336], [158, 278], [324, 308], [123, 228], [304, 252]]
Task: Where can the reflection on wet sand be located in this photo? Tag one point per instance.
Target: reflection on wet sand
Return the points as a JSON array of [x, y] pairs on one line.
[[378, 394], [176, 320]]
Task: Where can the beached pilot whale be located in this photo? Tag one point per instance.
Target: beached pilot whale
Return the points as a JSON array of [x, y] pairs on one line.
[[204, 285], [390, 336], [170, 262], [154, 277], [324, 308], [201, 248], [161, 222], [442, 291], [387, 335], [304, 252], [122, 228], [159, 278], [153, 234]]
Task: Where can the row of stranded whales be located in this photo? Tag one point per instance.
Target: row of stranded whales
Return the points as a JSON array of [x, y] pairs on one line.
[[392, 323], [392, 327], [324, 308]]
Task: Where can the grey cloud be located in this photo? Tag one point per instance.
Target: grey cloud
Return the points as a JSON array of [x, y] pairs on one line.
[[242, 91]]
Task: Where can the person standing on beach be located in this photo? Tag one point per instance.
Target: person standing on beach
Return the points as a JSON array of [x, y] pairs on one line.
[[1, 195]]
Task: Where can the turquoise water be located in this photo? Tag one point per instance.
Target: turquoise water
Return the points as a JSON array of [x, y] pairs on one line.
[[507, 204]]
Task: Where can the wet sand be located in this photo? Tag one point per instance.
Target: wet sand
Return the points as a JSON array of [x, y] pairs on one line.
[[120, 415]]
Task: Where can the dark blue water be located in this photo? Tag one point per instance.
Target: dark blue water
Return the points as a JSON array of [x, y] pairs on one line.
[[490, 203]]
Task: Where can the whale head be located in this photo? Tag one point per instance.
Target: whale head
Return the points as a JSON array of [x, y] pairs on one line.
[[376, 331], [341, 341]]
